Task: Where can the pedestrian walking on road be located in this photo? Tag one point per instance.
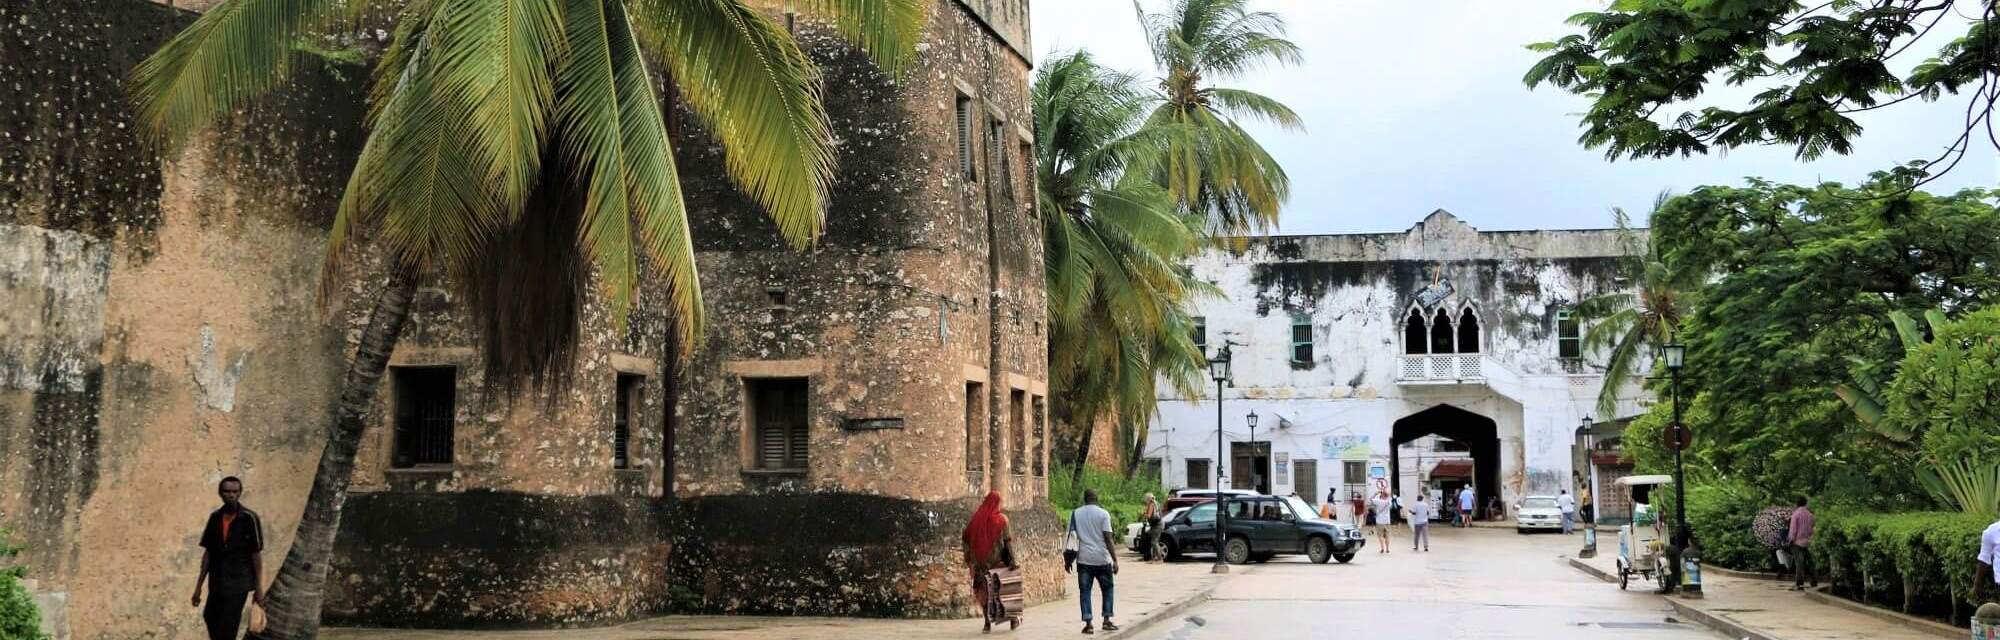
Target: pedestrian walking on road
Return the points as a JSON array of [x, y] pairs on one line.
[[1989, 561], [1420, 524], [1466, 503], [232, 562], [1095, 563], [1567, 503], [1800, 533], [1379, 509], [989, 545]]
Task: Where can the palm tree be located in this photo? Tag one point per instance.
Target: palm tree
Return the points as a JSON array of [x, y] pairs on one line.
[[521, 141], [1628, 326], [1114, 242], [1213, 166]]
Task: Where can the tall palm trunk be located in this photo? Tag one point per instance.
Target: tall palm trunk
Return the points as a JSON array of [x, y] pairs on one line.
[[293, 601]]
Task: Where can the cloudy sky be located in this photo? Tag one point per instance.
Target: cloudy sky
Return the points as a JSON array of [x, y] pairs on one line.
[[1415, 105]]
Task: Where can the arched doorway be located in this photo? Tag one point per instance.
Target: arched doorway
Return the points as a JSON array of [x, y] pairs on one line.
[[1478, 433]]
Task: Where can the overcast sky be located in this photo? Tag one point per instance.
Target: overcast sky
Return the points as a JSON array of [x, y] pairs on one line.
[[1416, 105]]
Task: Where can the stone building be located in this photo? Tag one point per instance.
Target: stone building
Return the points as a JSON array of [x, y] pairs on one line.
[[816, 453], [1353, 348]]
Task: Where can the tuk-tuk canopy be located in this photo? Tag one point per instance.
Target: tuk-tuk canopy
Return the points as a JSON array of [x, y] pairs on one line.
[[1628, 481]]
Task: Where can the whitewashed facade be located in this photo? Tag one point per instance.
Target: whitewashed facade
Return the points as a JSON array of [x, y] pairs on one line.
[[1349, 345]]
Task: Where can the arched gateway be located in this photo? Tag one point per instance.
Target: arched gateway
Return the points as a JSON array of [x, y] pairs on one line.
[[1480, 434]]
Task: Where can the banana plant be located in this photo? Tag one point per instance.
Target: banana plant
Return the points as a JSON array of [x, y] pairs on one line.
[[1863, 394]]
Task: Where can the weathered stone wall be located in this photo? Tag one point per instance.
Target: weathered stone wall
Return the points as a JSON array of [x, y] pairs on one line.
[[926, 280], [160, 331]]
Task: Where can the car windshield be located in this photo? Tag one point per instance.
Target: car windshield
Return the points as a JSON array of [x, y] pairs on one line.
[[1539, 503], [1299, 506]]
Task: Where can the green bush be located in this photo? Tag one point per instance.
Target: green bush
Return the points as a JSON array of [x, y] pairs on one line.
[[19, 619], [1124, 498], [1721, 517], [1918, 563]]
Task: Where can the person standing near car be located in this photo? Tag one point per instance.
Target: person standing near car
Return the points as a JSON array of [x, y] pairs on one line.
[[1420, 524], [1567, 503], [1095, 563], [1151, 532], [1380, 508]]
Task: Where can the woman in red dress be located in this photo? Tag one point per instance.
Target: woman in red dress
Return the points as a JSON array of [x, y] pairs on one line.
[[988, 545]]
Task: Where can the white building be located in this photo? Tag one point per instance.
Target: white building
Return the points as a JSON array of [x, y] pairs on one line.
[[1347, 346]]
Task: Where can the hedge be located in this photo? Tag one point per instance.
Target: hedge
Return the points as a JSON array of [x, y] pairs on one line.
[[1919, 563]]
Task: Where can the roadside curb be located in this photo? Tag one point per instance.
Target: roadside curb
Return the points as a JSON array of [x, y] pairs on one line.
[[1744, 575], [1724, 625], [1938, 629], [1174, 610]]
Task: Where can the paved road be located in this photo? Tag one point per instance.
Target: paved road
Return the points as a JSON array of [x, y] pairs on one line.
[[1475, 583]]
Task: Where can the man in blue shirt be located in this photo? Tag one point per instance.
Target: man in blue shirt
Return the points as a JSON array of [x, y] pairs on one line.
[[1465, 499]]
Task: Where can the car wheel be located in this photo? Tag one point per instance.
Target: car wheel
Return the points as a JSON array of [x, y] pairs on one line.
[[1318, 549], [1172, 551], [1624, 579], [1236, 551], [1343, 558]]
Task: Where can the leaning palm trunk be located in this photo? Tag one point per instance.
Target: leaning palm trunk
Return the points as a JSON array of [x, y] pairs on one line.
[[293, 601]]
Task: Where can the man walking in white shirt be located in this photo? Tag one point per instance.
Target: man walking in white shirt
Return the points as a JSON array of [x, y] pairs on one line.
[[1420, 524], [1989, 561], [1567, 503]]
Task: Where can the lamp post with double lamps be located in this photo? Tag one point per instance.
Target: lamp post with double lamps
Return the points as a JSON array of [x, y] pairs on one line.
[[1218, 368], [1589, 466], [1687, 561]]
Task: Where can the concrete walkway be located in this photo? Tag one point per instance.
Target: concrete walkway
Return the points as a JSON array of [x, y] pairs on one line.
[[1147, 593], [1768, 609]]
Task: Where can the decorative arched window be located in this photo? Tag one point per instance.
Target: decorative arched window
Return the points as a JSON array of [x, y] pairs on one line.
[[1468, 332], [1441, 332], [1416, 337]]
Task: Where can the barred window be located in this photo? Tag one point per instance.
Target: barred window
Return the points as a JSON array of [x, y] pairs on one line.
[[1302, 339], [426, 403], [1569, 335], [778, 413], [629, 393], [964, 113]]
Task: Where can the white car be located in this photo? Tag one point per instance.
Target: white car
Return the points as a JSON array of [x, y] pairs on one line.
[[1537, 512]]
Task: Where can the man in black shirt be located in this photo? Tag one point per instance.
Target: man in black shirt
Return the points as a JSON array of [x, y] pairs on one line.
[[233, 554]]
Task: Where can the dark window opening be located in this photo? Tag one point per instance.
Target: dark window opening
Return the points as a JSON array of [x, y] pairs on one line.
[[975, 409], [629, 394], [1441, 333], [1416, 337], [1197, 473], [1468, 332], [1201, 334], [1041, 406], [964, 113], [1302, 339], [1569, 335], [1001, 165], [778, 411], [426, 401], [1017, 407]]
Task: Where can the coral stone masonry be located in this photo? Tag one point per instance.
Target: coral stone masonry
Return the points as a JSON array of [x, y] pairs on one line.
[[817, 452]]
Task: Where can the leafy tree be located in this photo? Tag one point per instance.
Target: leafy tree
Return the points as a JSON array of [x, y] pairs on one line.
[[1640, 61], [20, 619], [1114, 245], [1629, 326], [1947, 391], [1804, 276], [521, 142], [1212, 165]]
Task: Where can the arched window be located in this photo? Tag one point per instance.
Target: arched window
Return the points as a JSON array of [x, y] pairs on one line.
[[1441, 332], [1416, 337], [1468, 332]]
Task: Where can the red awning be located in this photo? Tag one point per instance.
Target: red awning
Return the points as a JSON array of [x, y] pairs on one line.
[[1452, 469]]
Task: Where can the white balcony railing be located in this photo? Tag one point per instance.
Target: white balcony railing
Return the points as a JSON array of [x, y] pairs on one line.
[[1465, 367]]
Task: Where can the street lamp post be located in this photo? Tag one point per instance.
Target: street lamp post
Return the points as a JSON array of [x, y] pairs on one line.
[[1218, 368], [1255, 468], [1590, 523], [1675, 355]]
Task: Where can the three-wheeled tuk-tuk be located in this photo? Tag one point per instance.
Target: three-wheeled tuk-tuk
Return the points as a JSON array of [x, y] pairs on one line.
[[1641, 544]]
